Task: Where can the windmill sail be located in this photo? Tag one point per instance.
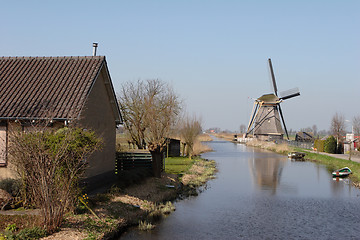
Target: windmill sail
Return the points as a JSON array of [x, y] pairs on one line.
[[273, 77], [290, 93]]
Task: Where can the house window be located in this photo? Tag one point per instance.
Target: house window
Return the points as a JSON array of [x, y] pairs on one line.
[[3, 145]]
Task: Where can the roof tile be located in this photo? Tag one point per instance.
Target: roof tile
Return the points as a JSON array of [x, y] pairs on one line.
[[38, 87]]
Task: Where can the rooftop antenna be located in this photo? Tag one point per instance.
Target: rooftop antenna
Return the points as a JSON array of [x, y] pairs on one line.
[[95, 45]]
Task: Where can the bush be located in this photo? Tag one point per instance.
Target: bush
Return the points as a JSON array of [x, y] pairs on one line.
[[31, 233], [50, 165], [330, 145], [12, 186], [319, 145]]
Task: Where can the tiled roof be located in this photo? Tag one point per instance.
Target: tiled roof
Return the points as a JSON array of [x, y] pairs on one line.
[[36, 87]]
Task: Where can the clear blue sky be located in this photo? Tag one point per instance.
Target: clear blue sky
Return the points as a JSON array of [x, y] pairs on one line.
[[213, 52]]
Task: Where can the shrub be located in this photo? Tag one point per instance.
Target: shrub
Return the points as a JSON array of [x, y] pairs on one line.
[[330, 145], [12, 186], [49, 164], [31, 233], [319, 145]]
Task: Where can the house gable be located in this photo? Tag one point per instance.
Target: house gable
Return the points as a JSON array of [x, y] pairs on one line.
[[60, 89], [98, 115]]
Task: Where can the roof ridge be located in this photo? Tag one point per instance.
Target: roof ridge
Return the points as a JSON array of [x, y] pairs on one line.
[[51, 57]]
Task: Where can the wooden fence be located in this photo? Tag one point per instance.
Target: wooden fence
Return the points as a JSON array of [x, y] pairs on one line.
[[132, 160]]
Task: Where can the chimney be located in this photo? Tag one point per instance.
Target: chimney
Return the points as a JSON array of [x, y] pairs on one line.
[[94, 48]]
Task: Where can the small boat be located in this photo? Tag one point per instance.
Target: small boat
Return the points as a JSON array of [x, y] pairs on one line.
[[296, 155], [343, 172]]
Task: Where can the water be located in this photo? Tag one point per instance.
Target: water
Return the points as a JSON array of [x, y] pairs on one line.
[[263, 195]]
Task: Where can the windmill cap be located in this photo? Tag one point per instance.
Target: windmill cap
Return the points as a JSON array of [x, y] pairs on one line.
[[269, 98]]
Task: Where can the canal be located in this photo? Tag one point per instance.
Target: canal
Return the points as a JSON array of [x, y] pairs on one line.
[[263, 195]]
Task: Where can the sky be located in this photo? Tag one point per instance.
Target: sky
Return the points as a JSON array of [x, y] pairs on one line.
[[214, 53]]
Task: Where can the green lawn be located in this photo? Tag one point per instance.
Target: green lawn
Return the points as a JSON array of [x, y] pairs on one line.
[[178, 165]]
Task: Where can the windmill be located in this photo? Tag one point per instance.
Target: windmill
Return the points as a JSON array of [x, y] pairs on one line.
[[265, 120]]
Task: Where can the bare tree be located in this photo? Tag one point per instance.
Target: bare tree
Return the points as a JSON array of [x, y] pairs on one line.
[[314, 129], [356, 125], [150, 109], [338, 126], [162, 108], [132, 105], [242, 128], [189, 130]]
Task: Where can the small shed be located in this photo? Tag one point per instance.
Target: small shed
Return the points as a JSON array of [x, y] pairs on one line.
[[66, 90], [173, 147]]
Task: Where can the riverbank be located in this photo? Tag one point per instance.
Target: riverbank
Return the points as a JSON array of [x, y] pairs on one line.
[[331, 161], [141, 205], [135, 200]]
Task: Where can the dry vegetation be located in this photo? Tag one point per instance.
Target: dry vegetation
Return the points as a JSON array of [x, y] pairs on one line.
[[204, 138], [199, 146], [226, 136], [142, 204], [279, 148]]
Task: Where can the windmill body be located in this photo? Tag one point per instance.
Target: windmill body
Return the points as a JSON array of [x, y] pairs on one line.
[[267, 116], [268, 123]]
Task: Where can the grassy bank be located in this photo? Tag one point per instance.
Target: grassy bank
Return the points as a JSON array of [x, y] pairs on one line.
[[225, 136], [144, 204], [331, 163], [107, 215]]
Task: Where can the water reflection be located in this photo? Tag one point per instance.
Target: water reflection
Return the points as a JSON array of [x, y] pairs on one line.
[[338, 185], [266, 171], [263, 195]]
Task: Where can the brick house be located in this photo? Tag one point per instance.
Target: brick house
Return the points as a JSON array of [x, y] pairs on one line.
[[65, 89]]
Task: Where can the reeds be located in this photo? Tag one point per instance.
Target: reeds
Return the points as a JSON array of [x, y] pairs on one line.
[[279, 148], [204, 138], [145, 226], [200, 148]]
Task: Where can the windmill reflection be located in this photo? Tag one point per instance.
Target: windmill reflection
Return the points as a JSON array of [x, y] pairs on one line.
[[266, 172]]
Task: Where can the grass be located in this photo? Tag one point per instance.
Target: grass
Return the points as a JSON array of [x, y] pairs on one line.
[[199, 173], [145, 226], [333, 163], [178, 165]]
